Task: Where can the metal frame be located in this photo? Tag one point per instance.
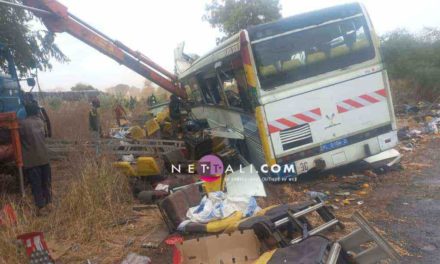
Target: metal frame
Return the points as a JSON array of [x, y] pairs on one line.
[[381, 249], [143, 147]]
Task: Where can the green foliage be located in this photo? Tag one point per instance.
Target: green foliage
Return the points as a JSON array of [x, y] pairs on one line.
[[55, 103], [414, 58], [30, 48], [107, 101], [230, 16], [79, 87]]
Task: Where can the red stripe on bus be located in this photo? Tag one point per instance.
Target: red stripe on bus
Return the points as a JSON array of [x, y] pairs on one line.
[[316, 111], [304, 118], [382, 92], [353, 103], [369, 98], [286, 122], [273, 129], [341, 109]]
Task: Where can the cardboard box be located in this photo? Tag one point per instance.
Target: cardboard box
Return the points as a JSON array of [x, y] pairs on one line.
[[240, 247]]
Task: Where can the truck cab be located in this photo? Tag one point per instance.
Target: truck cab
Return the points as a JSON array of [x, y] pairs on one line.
[[11, 95]]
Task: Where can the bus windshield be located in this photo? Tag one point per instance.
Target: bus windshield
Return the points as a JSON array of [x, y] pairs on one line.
[[301, 54]]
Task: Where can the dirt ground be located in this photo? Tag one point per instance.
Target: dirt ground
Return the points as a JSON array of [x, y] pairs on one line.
[[402, 204], [415, 206]]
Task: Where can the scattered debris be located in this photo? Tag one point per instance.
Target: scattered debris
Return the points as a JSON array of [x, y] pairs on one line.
[[149, 197], [238, 247], [155, 237], [245, 182], [144, 207], [8, 216], [417, 166], [173, 241], [162, 187], [405, 133], [125, 221], [149, 245], [36, 248], [134, 258], [342, 193], [219, 205], [320, 195]]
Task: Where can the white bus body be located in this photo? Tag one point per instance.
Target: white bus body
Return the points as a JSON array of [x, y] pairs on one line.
[[321, 94]]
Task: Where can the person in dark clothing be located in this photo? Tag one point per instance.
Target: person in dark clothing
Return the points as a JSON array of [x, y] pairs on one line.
[[95, 124], [174, 106], [120, 113], [35, 157], [175, 114]]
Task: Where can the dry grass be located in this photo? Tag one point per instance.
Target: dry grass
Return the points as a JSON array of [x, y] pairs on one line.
[[89, 198], [84, 211], [70, 120]]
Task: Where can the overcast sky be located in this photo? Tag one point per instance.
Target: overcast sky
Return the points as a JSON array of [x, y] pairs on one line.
[[155, 28]]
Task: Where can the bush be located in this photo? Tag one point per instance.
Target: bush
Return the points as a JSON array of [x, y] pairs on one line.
[[415, 59], [55, 103]]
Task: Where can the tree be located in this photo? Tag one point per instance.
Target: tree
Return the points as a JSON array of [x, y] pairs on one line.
[[30, 48], [120, 90], [80, 87], [230, 16]]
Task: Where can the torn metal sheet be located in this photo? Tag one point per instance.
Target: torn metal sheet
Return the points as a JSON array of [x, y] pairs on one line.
[[245, 182], [388, 157], [224, 132]]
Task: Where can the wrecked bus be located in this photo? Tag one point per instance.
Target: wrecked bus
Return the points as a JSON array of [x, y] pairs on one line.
[[309, 90]]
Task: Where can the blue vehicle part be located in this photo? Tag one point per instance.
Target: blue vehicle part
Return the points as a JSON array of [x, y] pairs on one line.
[[11, 95]]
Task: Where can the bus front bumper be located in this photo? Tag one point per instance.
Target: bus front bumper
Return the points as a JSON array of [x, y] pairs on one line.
[[347, 154]]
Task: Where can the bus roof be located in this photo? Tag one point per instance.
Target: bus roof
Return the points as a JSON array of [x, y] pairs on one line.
[[216, 54], [304, 20], [269, 29]]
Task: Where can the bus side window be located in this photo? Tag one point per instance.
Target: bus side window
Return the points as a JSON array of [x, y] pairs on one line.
[[214, 90], [240, 78], [235, 85], [207, 97], [194, 92]]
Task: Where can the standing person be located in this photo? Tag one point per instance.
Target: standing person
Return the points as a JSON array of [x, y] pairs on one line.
[[36, 158], [152, 101], [120, 113], [132, 103], [175, 114], [95, 123]]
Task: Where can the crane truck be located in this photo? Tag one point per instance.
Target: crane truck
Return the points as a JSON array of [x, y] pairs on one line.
[[57, 19]]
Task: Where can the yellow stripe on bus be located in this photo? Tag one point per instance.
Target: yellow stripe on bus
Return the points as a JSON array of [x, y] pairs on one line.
[[264, 137], [250, 75]]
